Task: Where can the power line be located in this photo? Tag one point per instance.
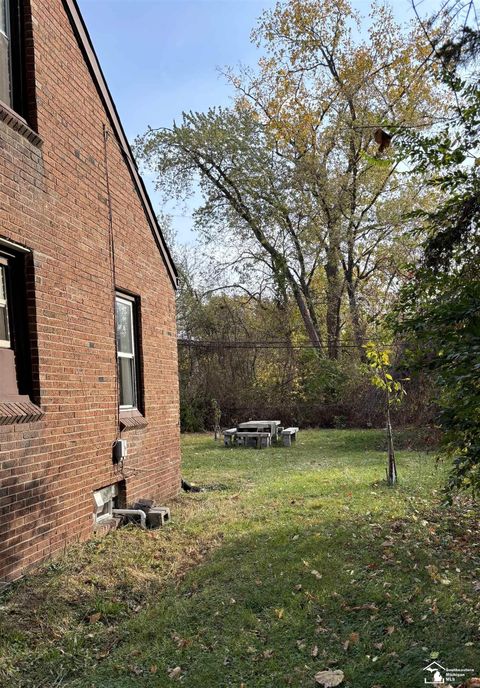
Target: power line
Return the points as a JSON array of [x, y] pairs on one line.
[[264, 344]]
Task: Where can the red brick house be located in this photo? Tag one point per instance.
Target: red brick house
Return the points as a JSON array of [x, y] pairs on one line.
[[87, 297]]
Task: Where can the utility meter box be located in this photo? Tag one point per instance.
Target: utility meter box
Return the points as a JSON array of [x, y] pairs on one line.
[[119, 451]]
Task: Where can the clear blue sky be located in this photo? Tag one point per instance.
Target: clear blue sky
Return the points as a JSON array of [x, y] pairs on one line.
[[161, 57]]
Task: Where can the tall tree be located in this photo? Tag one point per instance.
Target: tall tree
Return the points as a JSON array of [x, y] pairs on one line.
[[290, 174]]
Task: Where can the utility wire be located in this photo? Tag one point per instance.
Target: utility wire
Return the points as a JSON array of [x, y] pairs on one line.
[[265, 344]]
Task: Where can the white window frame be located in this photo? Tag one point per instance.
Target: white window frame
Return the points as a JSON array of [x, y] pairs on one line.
[[130, 302], [5, 343], [103, 502]]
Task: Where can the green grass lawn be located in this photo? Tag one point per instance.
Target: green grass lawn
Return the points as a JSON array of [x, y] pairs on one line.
[[295, 561]]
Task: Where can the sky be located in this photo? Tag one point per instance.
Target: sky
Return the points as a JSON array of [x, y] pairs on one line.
[[161, 57]]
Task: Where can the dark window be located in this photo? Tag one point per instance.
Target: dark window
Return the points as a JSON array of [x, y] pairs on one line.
[[15, 362], [127, 351], [5, 342], [11, 55]]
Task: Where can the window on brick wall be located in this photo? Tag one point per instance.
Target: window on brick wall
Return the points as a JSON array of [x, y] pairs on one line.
[[11, 55], [15, 361], [127, 351], [4, 319]]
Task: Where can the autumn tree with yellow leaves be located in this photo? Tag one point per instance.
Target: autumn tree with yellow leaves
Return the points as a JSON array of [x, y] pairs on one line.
[[299, 177]]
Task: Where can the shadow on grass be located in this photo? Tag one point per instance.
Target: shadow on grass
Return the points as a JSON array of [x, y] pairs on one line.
[[217, 592], [263, 604]]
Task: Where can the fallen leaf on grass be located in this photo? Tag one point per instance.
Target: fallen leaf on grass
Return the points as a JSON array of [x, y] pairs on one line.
[[153, 669], [267, 654], [279, 613], [433, 572], [330, 679], [407, 618], [179, 641], [315, 651], [352, 639], [389, 630], [175, 673], [95, 618], [315, 573]]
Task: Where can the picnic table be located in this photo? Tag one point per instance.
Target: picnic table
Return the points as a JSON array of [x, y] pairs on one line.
[[261, 433], [270, 426]]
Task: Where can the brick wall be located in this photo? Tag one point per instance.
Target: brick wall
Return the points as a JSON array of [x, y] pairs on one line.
[[53, 199]]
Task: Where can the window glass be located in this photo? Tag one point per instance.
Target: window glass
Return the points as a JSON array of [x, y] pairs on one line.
[[126, 376], [124, 327], [126, 351], [5, 79], [3, 17], [4, 329], [11, 55]]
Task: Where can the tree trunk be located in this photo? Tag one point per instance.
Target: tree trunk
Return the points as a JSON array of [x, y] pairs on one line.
[[310, 325], [284, 274], [334, 292], [357, 327], [392, 465]]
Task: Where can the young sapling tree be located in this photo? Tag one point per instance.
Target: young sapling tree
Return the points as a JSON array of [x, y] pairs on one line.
[[380, 364]]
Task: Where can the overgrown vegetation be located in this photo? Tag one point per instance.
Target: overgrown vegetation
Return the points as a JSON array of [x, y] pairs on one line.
[[243, 355], [439, 310], [300, 560]]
